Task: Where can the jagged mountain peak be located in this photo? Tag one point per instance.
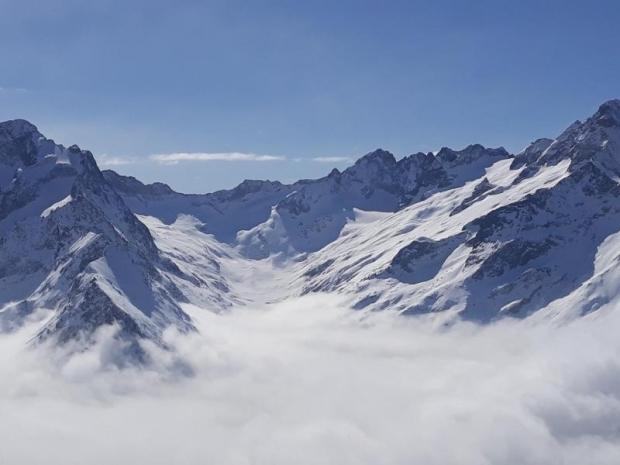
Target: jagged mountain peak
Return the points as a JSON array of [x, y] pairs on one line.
[[456, 230], [595, 140], [531, 153], [17, 128], [608, 113], [130, 185], [470, 153], [377, 156], [418, 157], [538, 145], [69, 244], [21, 144], [447, 154], [334, 173], [248, 186]]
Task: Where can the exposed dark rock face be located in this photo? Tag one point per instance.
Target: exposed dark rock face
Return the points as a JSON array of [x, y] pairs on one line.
[[482, 189], [457, 230], [315, 212], [69, 244], [422, 259], [552, 234], [533, 241], [596, 140], [531, 153], [513, 254]]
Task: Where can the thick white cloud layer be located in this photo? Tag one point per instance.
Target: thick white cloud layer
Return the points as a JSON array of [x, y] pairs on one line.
[[310, 382]]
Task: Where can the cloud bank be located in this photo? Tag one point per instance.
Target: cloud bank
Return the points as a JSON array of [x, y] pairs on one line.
[[311, 382], [174, 158]]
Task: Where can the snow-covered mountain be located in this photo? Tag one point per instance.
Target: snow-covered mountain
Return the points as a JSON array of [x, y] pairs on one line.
[[316, 212], [476, 233], [70, 245], [264, 217], [531, 233]]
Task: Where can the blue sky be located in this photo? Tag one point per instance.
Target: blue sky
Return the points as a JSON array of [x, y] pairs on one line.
[[295, 88]]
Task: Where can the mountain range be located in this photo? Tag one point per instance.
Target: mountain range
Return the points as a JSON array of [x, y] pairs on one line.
[[476, 234]]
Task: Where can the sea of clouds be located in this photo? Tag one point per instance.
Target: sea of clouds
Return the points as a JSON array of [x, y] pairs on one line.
[[309, 381]]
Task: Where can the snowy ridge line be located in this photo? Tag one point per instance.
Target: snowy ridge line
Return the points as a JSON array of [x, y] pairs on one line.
[[474, 234]]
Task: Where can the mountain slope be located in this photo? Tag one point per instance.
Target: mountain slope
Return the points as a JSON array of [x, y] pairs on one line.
[[223, 213], [265, 217], [314, 214], [513, 242], [70, 245], [476, 234]]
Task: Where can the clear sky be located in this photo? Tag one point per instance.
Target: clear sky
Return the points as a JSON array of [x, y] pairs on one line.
[[290, 89]]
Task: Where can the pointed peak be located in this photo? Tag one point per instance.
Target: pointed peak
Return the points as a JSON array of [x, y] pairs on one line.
[[613, 104], [531, 153], [535, 148], [608, 113], [446, 152], [472, 151], [18, 127], [334, 173], [541, 142], [419, 159], [479, 148], [379, 155], [450, 154], [19, 142], [501, 151]]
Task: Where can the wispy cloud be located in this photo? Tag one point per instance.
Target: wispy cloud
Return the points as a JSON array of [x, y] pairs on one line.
[[174, 158], [112, 160], [332, 159], [13, 90]]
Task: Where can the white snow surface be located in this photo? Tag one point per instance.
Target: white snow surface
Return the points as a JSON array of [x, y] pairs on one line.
[[473, 234], [457, 308], [55, 206]]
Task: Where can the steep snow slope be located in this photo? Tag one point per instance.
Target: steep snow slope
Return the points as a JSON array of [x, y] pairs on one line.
[[476, 233], [227, 277], [69, 244], [417, 256], [515, 241], [314, 214], [222, 213], [265, 217]]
